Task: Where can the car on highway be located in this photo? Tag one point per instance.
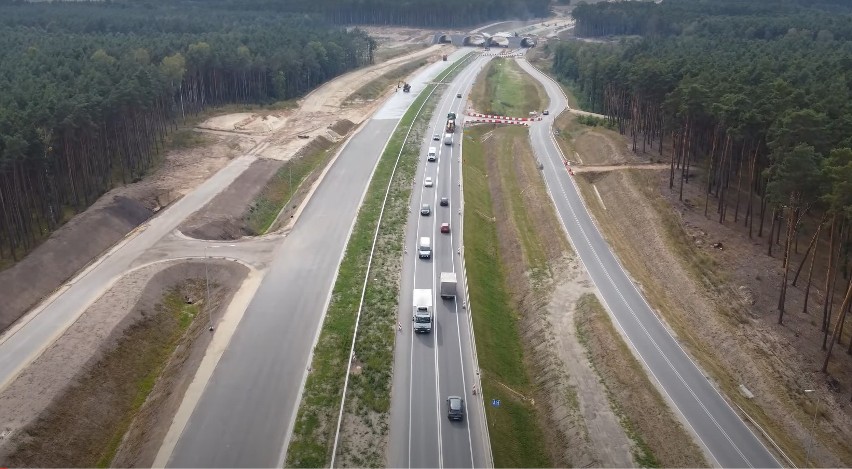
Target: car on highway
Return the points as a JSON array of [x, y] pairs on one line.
[[455, 408], [428, 182], [425, 209], [445, 201], [545, 112], [458, 95], [445, 227], [436, 137]]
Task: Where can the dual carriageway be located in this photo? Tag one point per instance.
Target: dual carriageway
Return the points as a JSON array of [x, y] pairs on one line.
[[245, 413]]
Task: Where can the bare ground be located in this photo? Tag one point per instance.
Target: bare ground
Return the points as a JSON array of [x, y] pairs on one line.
[[725, 299], [86, 381]]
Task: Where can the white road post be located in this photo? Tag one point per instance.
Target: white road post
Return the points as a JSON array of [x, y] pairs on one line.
[[813, 427], [207, 305]]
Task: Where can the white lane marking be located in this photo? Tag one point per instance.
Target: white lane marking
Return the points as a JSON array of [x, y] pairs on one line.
[[642, 326], [599, 196], [620, 326], [578, 157], [456, 309], [435, 315]]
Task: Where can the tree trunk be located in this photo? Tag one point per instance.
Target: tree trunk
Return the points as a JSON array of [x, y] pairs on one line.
[[810, 246], [810, 273], [836, 333]]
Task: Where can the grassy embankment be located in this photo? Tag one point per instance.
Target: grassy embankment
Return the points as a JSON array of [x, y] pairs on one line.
[[289, 184], [313, 435], [85, 425], [502, 233]]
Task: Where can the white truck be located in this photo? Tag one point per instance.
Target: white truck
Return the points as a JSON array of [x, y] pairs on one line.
[[448, 284], [422, 316]]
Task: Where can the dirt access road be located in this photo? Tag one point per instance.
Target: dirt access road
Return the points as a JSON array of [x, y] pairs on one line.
[[186, 177]]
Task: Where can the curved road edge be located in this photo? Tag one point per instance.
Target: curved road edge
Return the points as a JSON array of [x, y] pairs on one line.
[[728, 441]]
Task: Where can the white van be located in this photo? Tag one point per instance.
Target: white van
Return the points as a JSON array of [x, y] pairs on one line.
[[433, 154], [424, 249]]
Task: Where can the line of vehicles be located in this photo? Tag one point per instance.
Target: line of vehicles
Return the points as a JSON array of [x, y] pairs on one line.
[[423, 314]]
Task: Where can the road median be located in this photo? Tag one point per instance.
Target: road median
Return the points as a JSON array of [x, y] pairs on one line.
[[378, 230]]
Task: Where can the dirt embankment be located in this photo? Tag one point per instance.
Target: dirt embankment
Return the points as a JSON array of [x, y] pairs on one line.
[[112, 356], [86, 236], [223, 217], [66, 252], [724, 298]]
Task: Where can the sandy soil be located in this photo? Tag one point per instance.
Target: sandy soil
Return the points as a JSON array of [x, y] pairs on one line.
[[724, 299], [595, 435], [36, 401]]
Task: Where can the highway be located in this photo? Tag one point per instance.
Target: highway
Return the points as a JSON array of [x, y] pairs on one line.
[[246, 412], [725, 437], [438, 364]]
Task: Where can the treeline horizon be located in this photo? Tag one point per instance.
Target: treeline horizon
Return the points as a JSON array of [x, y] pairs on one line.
[[90, 91], [758, 95], [419, 13]]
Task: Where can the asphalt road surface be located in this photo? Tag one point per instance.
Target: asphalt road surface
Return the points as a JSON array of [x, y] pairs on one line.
[[724, 435], [432, 366], [26, 339], [245, 415]]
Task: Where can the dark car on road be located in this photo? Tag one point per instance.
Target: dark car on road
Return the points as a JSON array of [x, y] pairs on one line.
[[455, 408], [445, 201]]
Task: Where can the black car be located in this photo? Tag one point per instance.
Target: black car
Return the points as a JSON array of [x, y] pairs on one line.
[[458, 95], [445, 201], [455, 408]]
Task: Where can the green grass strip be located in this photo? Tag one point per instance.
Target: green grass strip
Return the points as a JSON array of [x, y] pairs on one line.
[[283, 185], [313, 435], [516, 439]]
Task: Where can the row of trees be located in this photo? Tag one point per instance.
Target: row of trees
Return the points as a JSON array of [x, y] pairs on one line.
[[83, 108], [424, 13], [765, 19], [769, 119]]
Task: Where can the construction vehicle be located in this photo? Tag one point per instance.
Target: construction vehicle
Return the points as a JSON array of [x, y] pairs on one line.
[[422, 316], [451, 122], [406, 88], [448, 284], [444, 57]]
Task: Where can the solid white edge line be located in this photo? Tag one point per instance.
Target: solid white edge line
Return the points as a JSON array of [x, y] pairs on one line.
[[618, 263], [370, 262]]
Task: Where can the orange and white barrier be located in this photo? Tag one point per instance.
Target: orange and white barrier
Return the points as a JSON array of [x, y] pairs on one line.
[[505, 118], [495, 121]]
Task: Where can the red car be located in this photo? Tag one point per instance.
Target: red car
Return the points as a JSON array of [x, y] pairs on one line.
[[445, 227]]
